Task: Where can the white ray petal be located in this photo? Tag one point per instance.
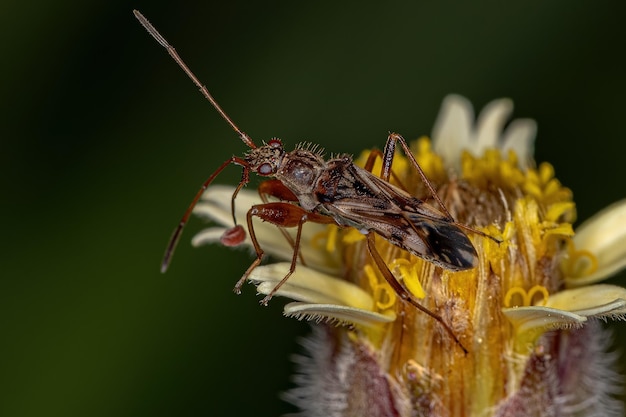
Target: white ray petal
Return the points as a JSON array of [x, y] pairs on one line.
[[456, 130], [490, 125], [310, 286], [452, 131], [520, 138], [336, 314], [592, 301], [603, 235], [542, 318]]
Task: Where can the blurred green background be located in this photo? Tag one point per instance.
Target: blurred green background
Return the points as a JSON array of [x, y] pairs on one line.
[[105, 141]]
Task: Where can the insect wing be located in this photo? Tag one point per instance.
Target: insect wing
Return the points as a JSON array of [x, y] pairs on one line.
[[447, 245], [404, 221]]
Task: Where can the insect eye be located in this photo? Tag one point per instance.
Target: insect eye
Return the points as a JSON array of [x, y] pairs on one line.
[[275, 143], [265, 169]]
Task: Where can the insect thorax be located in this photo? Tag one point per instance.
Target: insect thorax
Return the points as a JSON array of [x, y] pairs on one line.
[[300, 170]]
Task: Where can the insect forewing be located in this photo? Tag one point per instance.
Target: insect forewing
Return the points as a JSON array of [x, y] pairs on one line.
[[405, 221]]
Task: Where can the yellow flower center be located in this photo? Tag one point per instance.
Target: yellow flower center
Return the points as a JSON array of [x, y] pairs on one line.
[[528, 210]]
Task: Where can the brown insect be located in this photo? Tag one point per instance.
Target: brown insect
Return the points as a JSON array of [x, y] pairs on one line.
[[336, 191]]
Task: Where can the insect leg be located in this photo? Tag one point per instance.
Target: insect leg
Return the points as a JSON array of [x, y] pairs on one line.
[[292, 267], [390, 147], [245, 178], [283, 215], [401, 290], [236, 234], [313, 217], [277, 189], [171, 246], [369, 166]]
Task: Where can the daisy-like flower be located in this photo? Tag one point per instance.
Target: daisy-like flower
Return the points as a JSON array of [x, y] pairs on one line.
[[527, 314]]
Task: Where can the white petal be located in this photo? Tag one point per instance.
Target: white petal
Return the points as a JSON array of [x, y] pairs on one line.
[[490, 125], [603, 235], [520, 138], [601, 301], [207, 236], [310, 286], [542, 318], [334, 313], [615, 310], [571, 308], [453, 129]]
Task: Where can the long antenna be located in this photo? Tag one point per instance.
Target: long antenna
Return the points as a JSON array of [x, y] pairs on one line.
[[171, 246], [170, 50]]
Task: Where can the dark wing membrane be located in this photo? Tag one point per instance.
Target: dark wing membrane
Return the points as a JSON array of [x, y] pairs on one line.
[[406, 222], [450, 247]]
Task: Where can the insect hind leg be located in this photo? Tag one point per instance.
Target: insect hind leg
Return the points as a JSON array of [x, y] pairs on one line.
[[390, 148], [371, 161], [403, 292], [388, 155]]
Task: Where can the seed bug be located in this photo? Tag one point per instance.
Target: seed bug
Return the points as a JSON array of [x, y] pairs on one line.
[[337, 192]]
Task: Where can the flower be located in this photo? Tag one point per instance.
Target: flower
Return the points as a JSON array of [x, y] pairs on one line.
[[525, 317]]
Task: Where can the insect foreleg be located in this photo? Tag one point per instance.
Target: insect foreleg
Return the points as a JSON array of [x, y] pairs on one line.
[[171, 246], [282, 215], [236, 234], [401, 290], [275, 188], [245, 178]]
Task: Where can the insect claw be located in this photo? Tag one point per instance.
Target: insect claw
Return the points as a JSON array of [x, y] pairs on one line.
[[240, 283], [264, 302]]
